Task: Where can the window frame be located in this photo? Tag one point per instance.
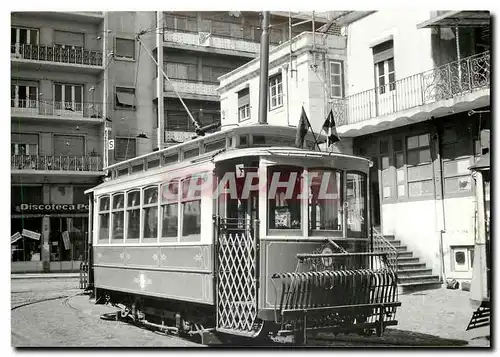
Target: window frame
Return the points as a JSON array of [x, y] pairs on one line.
[[341, 75], [117, 210], [144, 207], [126, 157], [31, 103], [128, 209], [73, 101], [182, 203], [128, 90], [168, 202], [28, 35], [420, 164], [469, 257], [122, 57], [276, 82], [388, 86], [100, 213]]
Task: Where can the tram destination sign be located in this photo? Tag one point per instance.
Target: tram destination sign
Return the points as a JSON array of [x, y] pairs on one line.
[[51, 208]]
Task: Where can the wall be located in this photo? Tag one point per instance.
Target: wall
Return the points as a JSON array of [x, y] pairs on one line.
[[412, 46]]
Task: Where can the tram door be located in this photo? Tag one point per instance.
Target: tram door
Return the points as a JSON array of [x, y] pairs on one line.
[[237, 238]]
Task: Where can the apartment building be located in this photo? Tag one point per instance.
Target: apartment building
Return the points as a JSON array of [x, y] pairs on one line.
[[56, 146], [417, 101], [86, 94]]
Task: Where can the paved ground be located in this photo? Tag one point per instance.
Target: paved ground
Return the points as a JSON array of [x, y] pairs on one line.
[[430, 318]]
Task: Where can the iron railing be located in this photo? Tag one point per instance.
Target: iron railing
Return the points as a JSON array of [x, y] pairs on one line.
[[56, 108], [56, 163], [443, 82], [56, 54], [382, 245]]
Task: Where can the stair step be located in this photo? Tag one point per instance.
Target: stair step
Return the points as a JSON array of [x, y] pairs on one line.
[[408, 260], [417, 279], [414, 272], [401, 248], [389, 237], [409, 266], [396, 243], [406, 288], [405, 255]]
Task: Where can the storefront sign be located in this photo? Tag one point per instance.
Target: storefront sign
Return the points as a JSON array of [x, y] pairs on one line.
[[15, 237], [65, 236], [52, 208], [31, 234]]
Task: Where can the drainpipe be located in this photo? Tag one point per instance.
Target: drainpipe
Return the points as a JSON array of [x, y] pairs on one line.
[[264, 69], [160, 81], [441, 209]]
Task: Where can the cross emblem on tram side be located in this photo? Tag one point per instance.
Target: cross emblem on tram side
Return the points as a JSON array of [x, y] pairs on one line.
[[142, 280]]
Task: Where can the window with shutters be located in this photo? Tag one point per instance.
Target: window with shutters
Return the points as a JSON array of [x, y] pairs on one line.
[[68, 145], [67, 39], [124, 48], [336, 79], [383, 58], [125, 98], [244, 104], [125, 148], [275, 92], [182, 71]]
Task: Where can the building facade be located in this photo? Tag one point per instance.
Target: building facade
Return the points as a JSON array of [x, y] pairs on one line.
[[80, 79]]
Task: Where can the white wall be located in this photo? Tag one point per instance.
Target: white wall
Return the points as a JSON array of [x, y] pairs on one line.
[[412, 46]]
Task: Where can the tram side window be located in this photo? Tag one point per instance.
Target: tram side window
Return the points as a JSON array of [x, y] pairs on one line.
[[325, 210], [284, 187], [104, 219], [170, 212], [117, 218], [150, 215], [356, 205], [133, 215], [191, 209]]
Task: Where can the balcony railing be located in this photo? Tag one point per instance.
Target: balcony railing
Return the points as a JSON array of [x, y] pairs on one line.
[[57, 54], [192, 86], [56, 163], [444, 82], [56, 108]]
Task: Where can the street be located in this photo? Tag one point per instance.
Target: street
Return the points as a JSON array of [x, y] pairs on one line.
[[55, 313]]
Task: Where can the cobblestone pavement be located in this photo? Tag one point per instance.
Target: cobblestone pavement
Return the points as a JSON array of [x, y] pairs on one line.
[[430, 318]]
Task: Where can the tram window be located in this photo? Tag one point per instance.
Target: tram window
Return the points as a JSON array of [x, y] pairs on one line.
[[284, 186], [117, 218], [153, 163], [191, 153], [170, 159], [191, 209], [150, 215], [170, 212], [216, 145], [325, 210], [133, 215], [243, 140], [356, 205], [104, 219], [138, 168]]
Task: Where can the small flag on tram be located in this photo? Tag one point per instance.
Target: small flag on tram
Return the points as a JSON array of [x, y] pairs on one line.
[[302, 129], [330, 129]]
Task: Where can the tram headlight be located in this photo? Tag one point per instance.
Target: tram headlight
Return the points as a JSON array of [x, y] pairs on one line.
[[327, 262]]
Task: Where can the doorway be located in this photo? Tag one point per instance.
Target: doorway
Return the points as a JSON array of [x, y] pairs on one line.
[[375, 194]]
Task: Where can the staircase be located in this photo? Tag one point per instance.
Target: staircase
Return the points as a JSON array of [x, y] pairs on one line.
[[413, 275]]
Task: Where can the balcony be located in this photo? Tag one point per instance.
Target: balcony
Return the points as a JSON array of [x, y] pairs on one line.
[[46, 165], [200, 90], [57, 56], [56, 110], [212, 42], [456, 86]]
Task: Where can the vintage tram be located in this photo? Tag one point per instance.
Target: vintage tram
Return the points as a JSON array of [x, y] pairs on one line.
[[242, 233]]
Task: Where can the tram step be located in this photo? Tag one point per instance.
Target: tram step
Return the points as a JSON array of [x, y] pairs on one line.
[[417, 279]]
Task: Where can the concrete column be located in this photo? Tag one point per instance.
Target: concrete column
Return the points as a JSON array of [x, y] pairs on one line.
[[159, 82], [45, 243]]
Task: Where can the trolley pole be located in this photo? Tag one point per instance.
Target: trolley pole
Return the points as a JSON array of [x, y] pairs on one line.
[[264, 69]]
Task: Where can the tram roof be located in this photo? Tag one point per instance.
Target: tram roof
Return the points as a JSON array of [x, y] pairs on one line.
[[230, 145]]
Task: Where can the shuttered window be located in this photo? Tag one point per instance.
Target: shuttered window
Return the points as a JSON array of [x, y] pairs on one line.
[[124, 148], [125, 48], [72, 39], [125, 98], [67, 145]]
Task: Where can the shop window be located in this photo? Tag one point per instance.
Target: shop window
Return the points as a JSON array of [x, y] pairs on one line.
[[325, 207], [191, 208], [150, 215], [170, 212], [117, 218], [133, 216], [284, 187], [462, 258], [356, 205], [25, 249], [104, 211]]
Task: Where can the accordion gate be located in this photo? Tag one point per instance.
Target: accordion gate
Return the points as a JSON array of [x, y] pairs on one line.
[[237, 276]]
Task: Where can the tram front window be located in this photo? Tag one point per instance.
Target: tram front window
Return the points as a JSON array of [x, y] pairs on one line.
[[325, 210], [356, 205], [284, 183]]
